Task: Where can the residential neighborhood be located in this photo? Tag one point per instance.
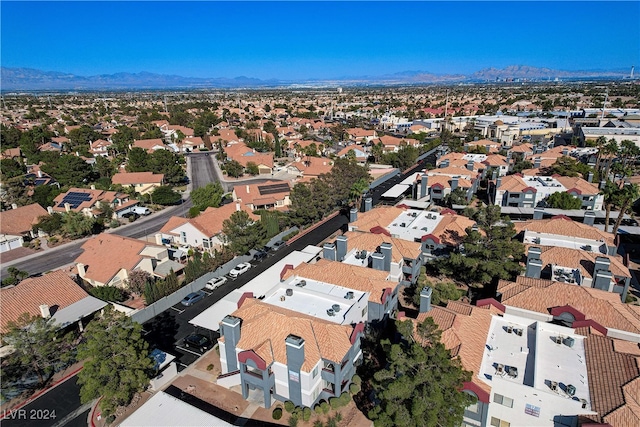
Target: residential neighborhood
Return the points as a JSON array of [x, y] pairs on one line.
[[282, 257]]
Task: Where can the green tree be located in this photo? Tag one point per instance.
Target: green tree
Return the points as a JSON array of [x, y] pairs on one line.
[[137, 281], [116, 361], [76, 225], [125, 137], [568, 166], [208, 196], [610, 192], [105, 167], [456, 197], [419, 385], [108, 293], [69, 170], [520, 166], [50, 224], [10, 136], [10, 168], [242, 232], [164, 195], [137, 160], [625, 197], [234, 168], [563, 200], [44, 195], [81, 136], [441, 291], [167, 163], [252, 168], [487, 254], [38, 348]]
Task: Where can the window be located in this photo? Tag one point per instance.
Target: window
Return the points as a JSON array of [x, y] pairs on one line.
[[514, 195], [502, 400], [315, 372], [205, 243], [364, 311], [473, 408], [183, 236], [495, 422]]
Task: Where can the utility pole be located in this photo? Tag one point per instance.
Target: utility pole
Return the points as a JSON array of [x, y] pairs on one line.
[[606, 96]]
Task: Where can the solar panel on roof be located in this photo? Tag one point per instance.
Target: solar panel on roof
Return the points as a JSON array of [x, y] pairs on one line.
[[272, 189], [74, 199]]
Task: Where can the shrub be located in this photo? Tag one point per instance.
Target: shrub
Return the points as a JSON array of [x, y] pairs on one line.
[[114, 223], [318, 423], [293, 421], [277, 413], [334, 402], [325, 407], [290, 235], [210, 367], [356, 380], [345, 398], [354, 389], [289, 406], [108, 293], [194, 211], [306, 414], [318, 409]]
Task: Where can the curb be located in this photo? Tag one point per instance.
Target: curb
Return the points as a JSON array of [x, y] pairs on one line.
[[40, 393], [93, 412]]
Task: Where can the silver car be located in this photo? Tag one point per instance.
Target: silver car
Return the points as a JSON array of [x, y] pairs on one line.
[[216, 282]]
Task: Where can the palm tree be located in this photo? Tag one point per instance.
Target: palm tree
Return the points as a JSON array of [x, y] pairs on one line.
[[600, 143], [625, 197], [609, 191]]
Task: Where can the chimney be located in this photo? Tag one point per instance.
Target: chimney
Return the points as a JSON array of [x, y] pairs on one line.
[[445, 163], [44, 311], [454, 183], [565, 151], [14, 206], [368, 204], [329, 251], [39, 174], [424, 180], [377, 261], [602, 280], [385, 249], [93, 187], [534, 253], [538, 213], [50, 210], [295, 359], [534, 268], [536, 162], [590, 177], [425, 299], [353, 215], [341, 247], [470, 165], [602, 263], [238, 206], [67, 207], [589, 217], [230, 330], [247, 189], [602, 185], [494, 174], [498, 182]]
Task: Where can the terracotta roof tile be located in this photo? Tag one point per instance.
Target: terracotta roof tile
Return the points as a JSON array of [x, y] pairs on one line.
[[565, 227], [55, 289], [129, 178], [370, 242], [265, 328], [576, 258], [19, 221]]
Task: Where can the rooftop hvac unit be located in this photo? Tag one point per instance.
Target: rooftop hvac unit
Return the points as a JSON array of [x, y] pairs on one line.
[[336, 307], [519, 332], [349, 295], [584, 403], [500, 369], [509, 329], [330, 312], [513, 372], [282, 298], [554, 385], [289, 292], [558, 339], [301, 283], [568, 341], [571, 390]]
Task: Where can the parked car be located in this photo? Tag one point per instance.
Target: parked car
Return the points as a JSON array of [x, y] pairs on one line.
[[259, 255], [191, 299], [131, 216], [197, 341], [277, 245], [216, 282], [240, 268]]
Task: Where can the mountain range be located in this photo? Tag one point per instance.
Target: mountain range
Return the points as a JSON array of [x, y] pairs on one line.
[[29, 79]]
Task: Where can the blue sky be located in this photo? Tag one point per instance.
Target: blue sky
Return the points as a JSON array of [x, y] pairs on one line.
[[291, 40]]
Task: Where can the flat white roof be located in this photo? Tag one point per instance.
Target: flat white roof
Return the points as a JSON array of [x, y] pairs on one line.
[[211, 317], [546, 239], [412, 224], [313, 298], [165, 410], [395, 191]]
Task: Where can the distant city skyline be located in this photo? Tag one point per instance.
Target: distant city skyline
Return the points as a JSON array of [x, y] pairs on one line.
[[300, 40]]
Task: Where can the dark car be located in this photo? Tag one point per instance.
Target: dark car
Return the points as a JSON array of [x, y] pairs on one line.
[[259, 255], [191, 299], [197, 341], [131, 216]]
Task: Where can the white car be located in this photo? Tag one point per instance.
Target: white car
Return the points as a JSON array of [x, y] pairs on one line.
[[216, 282], [240, 268]]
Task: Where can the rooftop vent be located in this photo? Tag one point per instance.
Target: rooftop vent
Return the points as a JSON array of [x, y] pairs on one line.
[[282, 298], [331, 312], [558, 339], [584, 403], [289, 292], [568, 341], [499, 369], [553, 385], [513, 372], [518, 332], [301, 283], [349, 295], [571, 390], [509, 329], [336, 307]]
